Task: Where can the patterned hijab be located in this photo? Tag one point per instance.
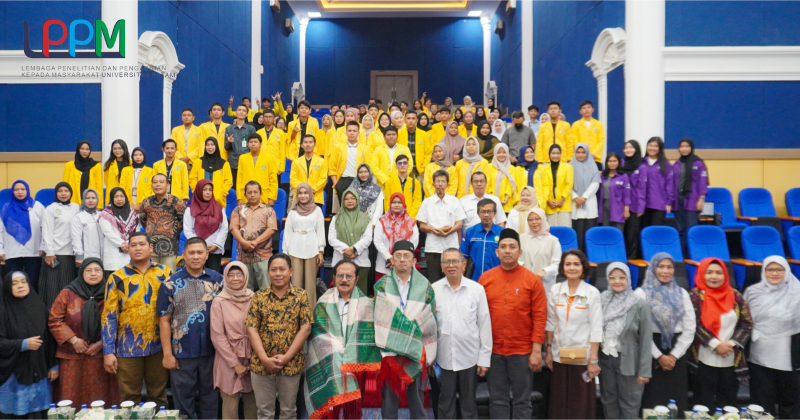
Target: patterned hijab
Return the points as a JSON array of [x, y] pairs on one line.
[[397, 226], [368, 191], [122, 217], [615, 308], [666, 300]]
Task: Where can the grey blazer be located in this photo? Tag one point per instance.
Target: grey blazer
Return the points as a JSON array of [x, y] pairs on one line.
[[635, 356]]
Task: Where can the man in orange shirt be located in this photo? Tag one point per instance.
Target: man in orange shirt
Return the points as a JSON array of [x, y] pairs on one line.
[[518, 309]]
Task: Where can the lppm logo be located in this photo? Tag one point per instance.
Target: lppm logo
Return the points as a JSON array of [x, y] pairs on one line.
[[98, 34]]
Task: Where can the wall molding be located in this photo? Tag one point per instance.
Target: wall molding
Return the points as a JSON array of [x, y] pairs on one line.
[[728, 64], [158, 53], [740, 154], [36, 157]]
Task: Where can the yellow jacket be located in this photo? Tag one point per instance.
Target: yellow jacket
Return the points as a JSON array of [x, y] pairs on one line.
[[293, 146], [341, 133], [180, 177], [275, 146], [564, 138], [277, 109], [191, 147], [208, 129], [462, 130], [383, 167], [464, 177], [222, 180], [543, 183], [464, 110], [427, 179], [144, 186], [594, 136], [338, 161], [316, 175], [72, 176], [374, 140], [436, 135], [412, 193], [331, 141], [521, 176], [112, 178], [263, 171], [421, 140], [250, 113], [506, 193]]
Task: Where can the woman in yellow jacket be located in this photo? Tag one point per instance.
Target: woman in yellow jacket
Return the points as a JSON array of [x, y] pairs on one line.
[[212, 167], [442, 159], [137, 179], [471, 161], [501, 181], [553, 183], [83, 173], [329, 132], [112, 169], [375, 138]]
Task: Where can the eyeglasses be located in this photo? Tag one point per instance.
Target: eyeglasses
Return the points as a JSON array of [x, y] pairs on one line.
[[775, 270], [403, 256], [451, 262], [440, 182], [402, 163], [349, 277], [620, 278], [486, 212], [236, 275]]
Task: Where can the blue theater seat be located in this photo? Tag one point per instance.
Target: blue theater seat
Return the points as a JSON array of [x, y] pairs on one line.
[[655, 239], [605, 244], [46, 196], [759, 242], [705, 241], [566, 237]]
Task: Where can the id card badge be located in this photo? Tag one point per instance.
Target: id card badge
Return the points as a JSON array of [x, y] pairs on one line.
[[446, 328], [244, 143]]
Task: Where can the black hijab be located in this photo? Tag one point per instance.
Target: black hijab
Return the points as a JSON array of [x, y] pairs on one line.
[[24, 318], [90, 313], [378, 123], [255, 123], [63, 184], [214, 161], [343, 120], [634, 162], [685, 180], [84, 164], [121, 213], [554, 168], [144, 158], [419, 122], [487, 139]]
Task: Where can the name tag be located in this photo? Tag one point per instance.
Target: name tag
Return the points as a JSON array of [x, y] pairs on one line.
[[446, 328], [244, 143]]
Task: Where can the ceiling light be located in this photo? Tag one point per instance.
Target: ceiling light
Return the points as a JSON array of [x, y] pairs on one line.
[[475, 13], [314, 14]]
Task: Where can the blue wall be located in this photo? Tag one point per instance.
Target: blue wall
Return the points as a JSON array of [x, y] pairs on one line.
[[447, 53], [280, 51], [507, 58]]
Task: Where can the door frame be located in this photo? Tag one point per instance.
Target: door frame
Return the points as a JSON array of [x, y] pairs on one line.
[[374, 73]]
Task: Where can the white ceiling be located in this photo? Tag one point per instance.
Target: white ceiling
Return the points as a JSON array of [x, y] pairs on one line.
[[391, 8]]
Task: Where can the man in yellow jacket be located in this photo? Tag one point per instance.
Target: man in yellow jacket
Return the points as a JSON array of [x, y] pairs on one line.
[[383, 157], [590, 131], [176, 170], [260, 167], [246, 101], [273, 141], [346, 158], [417, 141], [311, 169], [439, 129], [298, 128], [401, 182], [215, 128], [188, 138], [555, 132]]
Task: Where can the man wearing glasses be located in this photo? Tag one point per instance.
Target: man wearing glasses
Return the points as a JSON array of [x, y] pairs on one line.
[[479, 242], [441, 217], [470, 203], [341, 351], [465, 336], [405, 332]]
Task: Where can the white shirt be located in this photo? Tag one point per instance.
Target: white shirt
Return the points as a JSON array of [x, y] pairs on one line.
[[375, 211], [774, 353], [469, 203], [13, 249], [707, 355], [391, 152], [541, 253], [361, 247], [686, 325], [217, 238], [87, 238], [304, 236], [343, 306], [439, 212], [352, 154], [403, 292], [465, 312], [585, 323], [589, 208], [113, 258], [57, 228], [382, 245]]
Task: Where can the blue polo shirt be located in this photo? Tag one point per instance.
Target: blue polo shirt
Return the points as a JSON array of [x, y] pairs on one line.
[[188, 300], [480, 245]]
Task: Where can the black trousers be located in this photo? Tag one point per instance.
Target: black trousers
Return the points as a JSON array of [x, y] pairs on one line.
[[716, 387], [667, 385], [632, 230], [434, 263], [653, 217], [769, 387], [214, 262], [341, 186], [462, 383], [233, 174], [581, 226]]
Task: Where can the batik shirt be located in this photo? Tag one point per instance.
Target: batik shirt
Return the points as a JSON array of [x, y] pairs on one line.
[[163, 222], [130, 324]]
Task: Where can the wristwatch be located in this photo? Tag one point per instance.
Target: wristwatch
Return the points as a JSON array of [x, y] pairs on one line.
[[593, 362], [548, 345]]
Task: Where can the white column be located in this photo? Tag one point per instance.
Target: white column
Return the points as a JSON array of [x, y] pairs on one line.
[[255, 53], [167, 107], [120, 95], [526, 97], [486, 23], [303, 27], [644, 69], [602, 104]]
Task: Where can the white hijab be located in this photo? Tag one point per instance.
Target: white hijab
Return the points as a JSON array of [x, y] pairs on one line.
[[775, 307], [502, 124]]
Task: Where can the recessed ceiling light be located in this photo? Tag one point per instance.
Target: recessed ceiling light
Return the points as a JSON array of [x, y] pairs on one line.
[[475, 13], [314, 14]]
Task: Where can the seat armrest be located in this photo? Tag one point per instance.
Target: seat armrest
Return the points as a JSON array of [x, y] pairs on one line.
[[746, 218], [691, 262], [743, 262], [593, 264], [789, 218], [638, 263], [705, 219], [793, 261]]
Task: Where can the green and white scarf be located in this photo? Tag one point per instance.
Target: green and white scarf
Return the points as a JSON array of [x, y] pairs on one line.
[[411, 334], [332, 360]]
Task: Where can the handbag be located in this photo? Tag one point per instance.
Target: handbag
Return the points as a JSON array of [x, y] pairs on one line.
[[569, 355]]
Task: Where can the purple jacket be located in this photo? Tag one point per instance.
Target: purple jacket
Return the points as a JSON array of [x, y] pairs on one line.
[[619, 191], [699, 184], [638, 188], [660, 188]]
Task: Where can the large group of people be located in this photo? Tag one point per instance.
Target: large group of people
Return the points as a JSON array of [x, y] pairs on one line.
[[102, 296]]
